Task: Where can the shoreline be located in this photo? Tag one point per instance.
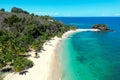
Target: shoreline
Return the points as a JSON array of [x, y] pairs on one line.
[[48, 66]]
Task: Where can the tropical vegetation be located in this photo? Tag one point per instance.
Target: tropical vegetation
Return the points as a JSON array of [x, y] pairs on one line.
[[21, 31]]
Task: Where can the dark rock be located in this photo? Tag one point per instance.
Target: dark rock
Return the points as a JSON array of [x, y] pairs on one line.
[[102, 27]]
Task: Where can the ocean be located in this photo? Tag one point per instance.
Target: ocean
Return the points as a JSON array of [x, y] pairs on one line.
[[91, 55]]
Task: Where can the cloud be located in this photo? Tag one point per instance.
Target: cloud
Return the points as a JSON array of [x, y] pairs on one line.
[[118, 14], [47, 13], [52, 14]]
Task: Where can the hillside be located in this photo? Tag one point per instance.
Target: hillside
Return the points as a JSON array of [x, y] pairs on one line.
[[21, 32]]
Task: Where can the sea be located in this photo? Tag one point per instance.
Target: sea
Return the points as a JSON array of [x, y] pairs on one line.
[[91, 55]]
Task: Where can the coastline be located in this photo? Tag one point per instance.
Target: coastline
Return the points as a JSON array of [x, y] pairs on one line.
[[47, 67]]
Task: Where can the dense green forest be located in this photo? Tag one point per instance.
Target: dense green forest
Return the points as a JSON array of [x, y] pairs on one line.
[[21, 31]]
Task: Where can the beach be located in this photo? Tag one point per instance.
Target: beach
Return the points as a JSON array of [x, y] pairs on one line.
[[47, 66]]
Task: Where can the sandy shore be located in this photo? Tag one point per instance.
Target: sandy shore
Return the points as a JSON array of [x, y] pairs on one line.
[[47, 67]]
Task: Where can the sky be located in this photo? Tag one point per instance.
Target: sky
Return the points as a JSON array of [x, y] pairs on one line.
[[68, 8]]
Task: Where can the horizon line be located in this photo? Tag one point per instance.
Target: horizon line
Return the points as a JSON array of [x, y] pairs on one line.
[[83, 16]]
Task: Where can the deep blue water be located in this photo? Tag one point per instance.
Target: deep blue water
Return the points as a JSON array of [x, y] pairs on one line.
[[88, 22], [91, 55]]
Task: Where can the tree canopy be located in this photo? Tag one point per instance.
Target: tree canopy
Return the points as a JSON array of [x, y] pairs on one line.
[[18, 10], [21, 31], [2, 9]]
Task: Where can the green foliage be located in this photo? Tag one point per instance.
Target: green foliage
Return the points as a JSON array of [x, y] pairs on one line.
[[9, 56], [4, 36], [19, 32], [18, 10], [1, 76], [46, 17], [59, 34], [102, 27], [32, 30], [12, 21], [21, 63], [3, 10]]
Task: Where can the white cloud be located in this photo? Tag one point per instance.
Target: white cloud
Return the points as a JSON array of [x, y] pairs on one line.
[[47, 13], [118, 14], [52, 14]]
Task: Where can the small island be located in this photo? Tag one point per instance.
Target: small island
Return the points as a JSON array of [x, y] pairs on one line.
[[101, 27]]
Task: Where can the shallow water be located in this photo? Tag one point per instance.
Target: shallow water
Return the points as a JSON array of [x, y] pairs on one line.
[[90, 56]]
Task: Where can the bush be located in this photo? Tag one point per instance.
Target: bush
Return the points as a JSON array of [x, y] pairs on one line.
[[3, 10], [59, 34], [11, 20], [18, 10], [22, 63], [1, 76]]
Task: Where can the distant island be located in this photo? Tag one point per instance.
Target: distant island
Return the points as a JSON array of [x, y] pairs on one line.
[[101, 27], [21, 32]]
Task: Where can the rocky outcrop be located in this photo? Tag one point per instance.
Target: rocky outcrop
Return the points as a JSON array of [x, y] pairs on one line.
[[101, 27]]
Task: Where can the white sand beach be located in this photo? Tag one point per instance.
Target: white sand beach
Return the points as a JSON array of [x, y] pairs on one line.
[[47, 66]]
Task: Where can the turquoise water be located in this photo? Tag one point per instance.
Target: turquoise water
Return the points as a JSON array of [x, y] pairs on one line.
[[91, 56]]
